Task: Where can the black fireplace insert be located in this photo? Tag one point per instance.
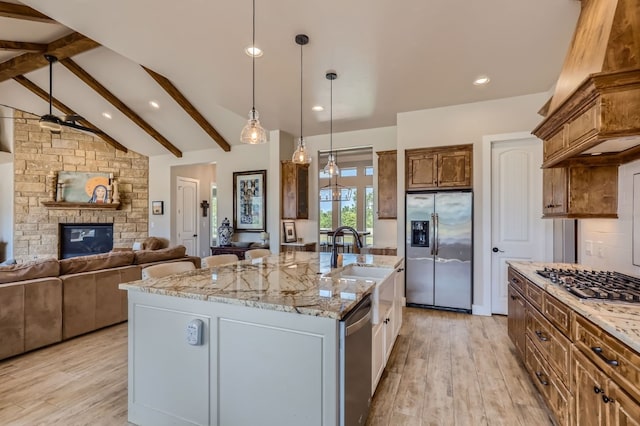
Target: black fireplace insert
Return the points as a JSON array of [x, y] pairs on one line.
[[81, 239]]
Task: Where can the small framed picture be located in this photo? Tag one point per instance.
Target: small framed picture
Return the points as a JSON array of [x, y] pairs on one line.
[[289, 231], [157, 207]]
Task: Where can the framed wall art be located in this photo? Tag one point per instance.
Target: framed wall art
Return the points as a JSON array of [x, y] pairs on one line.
[[289, 231], [250, 201], [157, 207], [84, 187]]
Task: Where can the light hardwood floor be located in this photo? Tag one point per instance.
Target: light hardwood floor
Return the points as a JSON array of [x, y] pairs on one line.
[[445, 369]]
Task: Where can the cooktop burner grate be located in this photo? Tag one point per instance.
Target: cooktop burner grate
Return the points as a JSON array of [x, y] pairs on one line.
[[595, 284]]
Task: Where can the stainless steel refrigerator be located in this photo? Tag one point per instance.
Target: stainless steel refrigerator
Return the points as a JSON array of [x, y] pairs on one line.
[[439, 249]]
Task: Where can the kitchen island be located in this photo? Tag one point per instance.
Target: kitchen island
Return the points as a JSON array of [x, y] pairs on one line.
[[269, 347]]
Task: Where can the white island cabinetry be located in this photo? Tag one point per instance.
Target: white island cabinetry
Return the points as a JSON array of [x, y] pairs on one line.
[[269, 351]]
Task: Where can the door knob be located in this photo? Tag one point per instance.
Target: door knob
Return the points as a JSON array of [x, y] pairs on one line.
[[195, 235], [496, 250]]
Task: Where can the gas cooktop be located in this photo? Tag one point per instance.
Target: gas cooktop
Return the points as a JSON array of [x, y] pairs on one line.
[[595, 284]]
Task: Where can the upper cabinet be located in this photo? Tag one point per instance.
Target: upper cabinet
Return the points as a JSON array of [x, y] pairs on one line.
[[387, 184], [439, 168], [295, 190], [580, 192]]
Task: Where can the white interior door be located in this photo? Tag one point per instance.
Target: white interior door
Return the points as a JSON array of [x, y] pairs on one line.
[[187, 214], [517, 230]]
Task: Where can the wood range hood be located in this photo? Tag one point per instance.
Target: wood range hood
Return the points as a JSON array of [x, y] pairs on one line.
[[594, 114]]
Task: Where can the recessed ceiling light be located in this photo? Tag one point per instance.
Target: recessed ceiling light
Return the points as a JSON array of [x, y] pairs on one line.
[[317, 108], [106, 115], [483, 79], [253, 51], [154, 104]]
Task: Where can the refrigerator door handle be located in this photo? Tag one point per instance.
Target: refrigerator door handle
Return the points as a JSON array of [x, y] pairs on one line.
[[433, 238], [436, 236]]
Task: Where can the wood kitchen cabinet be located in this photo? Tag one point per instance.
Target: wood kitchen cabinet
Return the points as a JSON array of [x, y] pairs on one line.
[[295, 190], [516, 320], [439, 168], [580, 192], [387, 184]]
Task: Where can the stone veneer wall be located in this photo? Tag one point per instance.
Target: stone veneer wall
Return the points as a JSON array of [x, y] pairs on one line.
[[37, 152]]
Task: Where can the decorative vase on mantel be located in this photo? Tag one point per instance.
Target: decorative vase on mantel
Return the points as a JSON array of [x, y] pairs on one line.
[[225, 232]]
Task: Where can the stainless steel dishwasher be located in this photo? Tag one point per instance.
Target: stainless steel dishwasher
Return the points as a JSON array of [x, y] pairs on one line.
[[355, 364]]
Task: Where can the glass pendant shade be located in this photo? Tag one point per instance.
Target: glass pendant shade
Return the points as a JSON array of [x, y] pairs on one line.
[[332, 168], [301, 155], [253, 133]]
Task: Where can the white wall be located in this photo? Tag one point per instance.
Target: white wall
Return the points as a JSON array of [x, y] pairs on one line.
[[612, 239], [240, 158], [466, 124], [380, 139]]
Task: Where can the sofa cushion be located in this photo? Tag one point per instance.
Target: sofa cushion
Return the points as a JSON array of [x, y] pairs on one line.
[[96, 262], [29, 271], [148, 256], [154, 243]]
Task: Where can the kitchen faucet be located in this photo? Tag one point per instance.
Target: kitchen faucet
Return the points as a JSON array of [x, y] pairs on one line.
[[334, 249]]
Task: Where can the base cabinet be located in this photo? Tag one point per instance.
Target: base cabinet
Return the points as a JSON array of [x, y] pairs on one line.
[[563, 353]]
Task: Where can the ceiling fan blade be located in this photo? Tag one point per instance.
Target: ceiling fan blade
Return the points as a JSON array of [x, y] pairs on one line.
[[82, 128]]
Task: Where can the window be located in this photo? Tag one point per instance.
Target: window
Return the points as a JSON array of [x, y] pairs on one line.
[[368, 214], [356, 174]]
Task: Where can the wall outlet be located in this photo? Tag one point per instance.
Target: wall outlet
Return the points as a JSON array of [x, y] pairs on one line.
[[601, 249], [588, 247]]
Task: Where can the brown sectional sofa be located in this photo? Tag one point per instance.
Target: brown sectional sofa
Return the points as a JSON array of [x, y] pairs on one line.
[[45, 302]]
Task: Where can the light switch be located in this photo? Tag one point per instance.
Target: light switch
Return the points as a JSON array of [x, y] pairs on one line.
[[588, 247]]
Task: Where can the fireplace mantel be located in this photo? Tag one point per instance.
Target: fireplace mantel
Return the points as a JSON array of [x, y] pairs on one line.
[[68, 205]]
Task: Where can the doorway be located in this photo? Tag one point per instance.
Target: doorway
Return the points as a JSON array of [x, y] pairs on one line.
[[187, 214], [518, 231]]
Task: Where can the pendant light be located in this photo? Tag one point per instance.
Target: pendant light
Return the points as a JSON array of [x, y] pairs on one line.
[[253, 133], [301, 155], [333, 191], [331, 168]]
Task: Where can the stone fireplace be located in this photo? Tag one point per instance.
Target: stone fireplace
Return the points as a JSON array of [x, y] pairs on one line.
[[37, 152]]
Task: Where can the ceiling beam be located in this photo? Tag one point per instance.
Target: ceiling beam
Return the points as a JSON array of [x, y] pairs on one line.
[[189, 108], [68, 111], [19, 11], [106, 94], [61, 48], [23, 46]]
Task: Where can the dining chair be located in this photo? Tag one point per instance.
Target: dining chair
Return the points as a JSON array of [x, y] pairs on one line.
[[256, 253], [218, 259], [164, 269]]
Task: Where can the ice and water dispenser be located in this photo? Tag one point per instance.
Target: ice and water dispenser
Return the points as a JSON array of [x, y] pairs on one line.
[[419, 233]]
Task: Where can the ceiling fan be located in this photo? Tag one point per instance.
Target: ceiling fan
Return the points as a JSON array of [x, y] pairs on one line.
[[53, 122]]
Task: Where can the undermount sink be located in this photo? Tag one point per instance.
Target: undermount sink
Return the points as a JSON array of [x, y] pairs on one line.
[[360, 272]]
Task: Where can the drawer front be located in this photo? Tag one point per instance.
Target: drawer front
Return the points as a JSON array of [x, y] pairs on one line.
[[516, 280], [617, 360], [558, 314], [534, 295], [549, 384], [552, 344]]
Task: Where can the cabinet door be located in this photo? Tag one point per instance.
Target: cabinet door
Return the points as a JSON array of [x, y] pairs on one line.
[[590, 392], [454, 168], [377, 354], [516, 320], [624, 410], [389, 337], [554, 191], [387, 185], [295, 190], [397, 303], [302, 191], [422, 170]]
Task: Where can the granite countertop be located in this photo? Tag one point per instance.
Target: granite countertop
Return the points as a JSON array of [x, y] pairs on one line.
[[288, 282], [620, 319]]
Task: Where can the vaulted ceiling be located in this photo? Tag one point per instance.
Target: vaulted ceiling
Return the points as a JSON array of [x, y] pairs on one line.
[[390, 57]]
